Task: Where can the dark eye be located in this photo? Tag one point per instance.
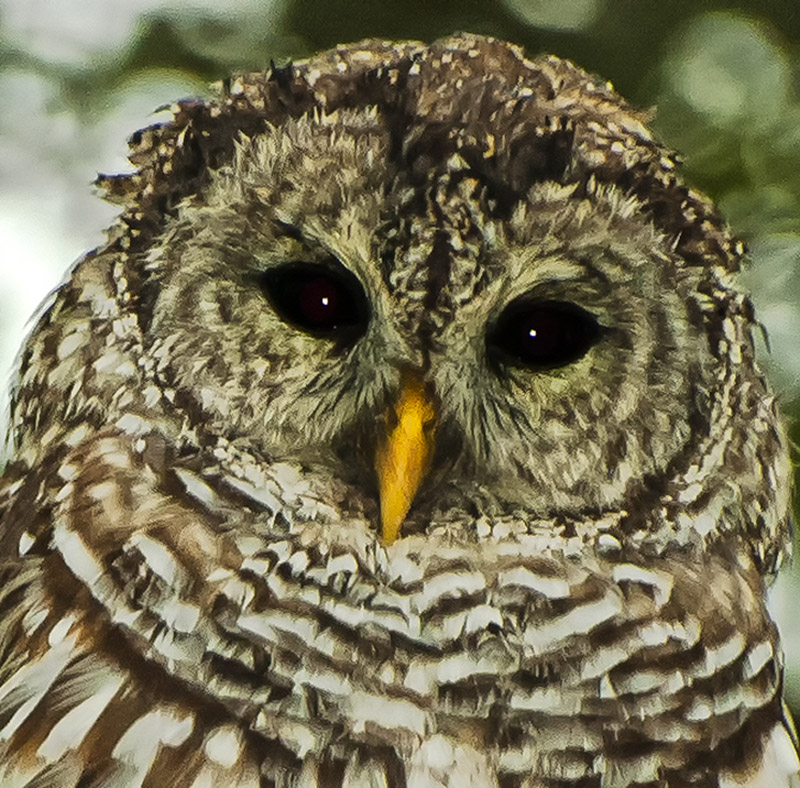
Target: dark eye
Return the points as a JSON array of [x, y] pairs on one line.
[[543, 334], [318, 299]]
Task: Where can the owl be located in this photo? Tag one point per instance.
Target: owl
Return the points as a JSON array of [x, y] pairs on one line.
[[406, 432]]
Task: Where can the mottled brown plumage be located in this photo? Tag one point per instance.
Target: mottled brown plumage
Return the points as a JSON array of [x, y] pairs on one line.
[[196, 587]]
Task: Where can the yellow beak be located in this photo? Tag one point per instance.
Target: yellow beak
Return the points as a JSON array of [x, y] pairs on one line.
[[404, 456]]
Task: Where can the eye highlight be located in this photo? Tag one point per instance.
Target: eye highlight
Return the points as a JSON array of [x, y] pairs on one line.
[[543, 334], [317, 299]]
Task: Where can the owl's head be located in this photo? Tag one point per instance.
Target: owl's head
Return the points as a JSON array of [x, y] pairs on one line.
[[453, 279]]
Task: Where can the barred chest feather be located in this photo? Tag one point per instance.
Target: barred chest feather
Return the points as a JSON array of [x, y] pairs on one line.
[[297, 650]]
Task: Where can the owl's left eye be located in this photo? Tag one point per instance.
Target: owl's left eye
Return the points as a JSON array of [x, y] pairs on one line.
[[317, 299], [544, 334]]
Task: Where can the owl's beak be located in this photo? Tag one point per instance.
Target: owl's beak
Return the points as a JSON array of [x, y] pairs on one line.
[[404, 455]]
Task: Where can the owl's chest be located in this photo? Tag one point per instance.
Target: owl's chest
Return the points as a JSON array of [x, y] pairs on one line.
[[470, 678]]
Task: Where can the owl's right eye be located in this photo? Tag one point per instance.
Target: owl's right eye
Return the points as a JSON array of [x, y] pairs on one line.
[[317, 299], [544, 334]]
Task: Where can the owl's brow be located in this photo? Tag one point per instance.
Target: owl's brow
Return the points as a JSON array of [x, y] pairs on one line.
[[561, 267], [285, 229], [309, 243]]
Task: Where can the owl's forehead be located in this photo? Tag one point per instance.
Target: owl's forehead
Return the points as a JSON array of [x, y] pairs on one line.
[[449, 138], [409, 207], [438, 211]]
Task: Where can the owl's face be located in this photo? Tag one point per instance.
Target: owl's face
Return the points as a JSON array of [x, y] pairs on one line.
[[557, 338]]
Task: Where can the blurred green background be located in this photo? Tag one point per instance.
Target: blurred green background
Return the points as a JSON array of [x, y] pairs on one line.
[[78, 76]]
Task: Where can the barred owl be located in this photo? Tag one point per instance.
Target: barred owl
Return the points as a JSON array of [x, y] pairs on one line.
[[406, 432]]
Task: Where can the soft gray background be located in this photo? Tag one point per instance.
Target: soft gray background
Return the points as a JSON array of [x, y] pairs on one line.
[[78, 76]]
